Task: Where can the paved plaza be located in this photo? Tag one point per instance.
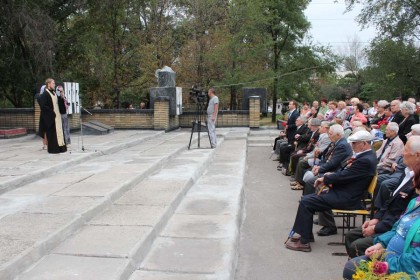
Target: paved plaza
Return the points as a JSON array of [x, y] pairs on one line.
[[137, 204]]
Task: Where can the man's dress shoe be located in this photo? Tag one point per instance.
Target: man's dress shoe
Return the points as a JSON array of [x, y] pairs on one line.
[[298, 246], [327, 231]]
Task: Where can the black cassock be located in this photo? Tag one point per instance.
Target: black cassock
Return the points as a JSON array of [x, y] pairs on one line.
[[50, 122]]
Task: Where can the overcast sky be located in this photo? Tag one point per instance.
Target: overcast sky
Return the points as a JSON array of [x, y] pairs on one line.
[[330, 26]]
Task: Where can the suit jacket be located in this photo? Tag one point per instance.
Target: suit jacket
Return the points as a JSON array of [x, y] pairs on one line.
[[291, 126], [394, 207], [322, 144], [351, 182], [405, 127], [391, 153], [398, 117], [310, 144], [305, 134], [331, 159]]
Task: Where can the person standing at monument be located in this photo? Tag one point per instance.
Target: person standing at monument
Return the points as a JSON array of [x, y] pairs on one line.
[[63, 105], [212, 110], [50, 119]]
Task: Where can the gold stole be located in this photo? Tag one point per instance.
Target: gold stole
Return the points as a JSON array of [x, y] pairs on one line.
[[58, 124]]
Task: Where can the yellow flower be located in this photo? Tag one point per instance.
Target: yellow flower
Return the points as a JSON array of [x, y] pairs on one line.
[[359, 275]]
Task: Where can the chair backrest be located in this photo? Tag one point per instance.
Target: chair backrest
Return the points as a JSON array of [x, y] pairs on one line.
[[372, 184]]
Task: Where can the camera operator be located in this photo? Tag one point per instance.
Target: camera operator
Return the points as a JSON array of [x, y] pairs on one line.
[[212, 111]]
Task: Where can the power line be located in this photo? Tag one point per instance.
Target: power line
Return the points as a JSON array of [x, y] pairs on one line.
[[272, 78]]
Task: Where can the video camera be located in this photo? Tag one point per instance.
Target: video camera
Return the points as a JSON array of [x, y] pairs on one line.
[[198, 95]]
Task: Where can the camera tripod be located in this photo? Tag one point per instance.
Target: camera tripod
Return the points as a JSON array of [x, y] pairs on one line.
[[197, 125]]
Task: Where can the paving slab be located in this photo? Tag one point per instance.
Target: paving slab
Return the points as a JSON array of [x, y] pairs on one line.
[[60, 205], [39, 188], [200, 226], [104, 241], [88, 189], [206, 205], [32, 226], [186, 255], [11, 248], [148, 197], [130, 215], [60, 267], [153, 275]]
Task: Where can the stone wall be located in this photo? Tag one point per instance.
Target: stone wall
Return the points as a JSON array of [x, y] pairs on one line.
[[133, 118], [122, 118]]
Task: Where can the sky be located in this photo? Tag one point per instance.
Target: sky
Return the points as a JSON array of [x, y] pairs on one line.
[[330, 26]]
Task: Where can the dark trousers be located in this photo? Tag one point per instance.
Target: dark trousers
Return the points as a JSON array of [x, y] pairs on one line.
[[301, 168], [356, 243], [384, 187], [309, 186], [294, 159], [326, 219], [285, 151], [309, 204]]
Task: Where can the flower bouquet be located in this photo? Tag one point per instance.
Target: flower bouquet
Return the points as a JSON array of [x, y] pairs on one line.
[[378, 270]]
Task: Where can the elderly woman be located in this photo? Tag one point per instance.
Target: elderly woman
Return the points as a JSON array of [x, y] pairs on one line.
[[380, 114], [332, 111], [387, 116], [358, 114], [407, 110], [341, 109], [399, 247]]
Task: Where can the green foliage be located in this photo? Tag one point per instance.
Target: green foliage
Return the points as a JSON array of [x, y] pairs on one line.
[[394, 69], [392, 18]]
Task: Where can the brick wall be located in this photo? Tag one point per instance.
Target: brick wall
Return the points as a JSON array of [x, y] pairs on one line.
[[121, 118], [18, 118], [254, 111], [133, 119]]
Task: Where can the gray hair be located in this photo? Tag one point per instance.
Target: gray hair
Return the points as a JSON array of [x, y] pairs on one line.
[[337, 129], [414, 142], [303, 119], [382, 103], [325, 124], [397, 103], [409, 106], [415, 129], [393, 126], [355, 100]]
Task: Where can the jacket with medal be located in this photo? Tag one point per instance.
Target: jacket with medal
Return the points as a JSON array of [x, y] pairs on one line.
[[349, 184]]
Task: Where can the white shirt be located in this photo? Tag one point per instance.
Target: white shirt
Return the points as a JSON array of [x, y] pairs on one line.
[[408, 175]]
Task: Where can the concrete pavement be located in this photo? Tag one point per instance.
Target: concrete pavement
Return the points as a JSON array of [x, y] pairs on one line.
[[132, 205]]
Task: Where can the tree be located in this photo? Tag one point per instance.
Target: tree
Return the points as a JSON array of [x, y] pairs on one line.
[[394, 69], [392, 18]]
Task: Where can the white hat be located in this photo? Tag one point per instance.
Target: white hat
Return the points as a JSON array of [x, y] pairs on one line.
[[360, 136]]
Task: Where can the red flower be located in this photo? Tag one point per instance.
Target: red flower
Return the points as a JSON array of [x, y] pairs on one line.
[[380, 268]]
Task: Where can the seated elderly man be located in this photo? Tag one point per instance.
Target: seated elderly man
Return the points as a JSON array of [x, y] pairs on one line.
[[308, 161], [361, 238], [343, 189], [311, 138], [390, 150], [330, 160], [300, 140]]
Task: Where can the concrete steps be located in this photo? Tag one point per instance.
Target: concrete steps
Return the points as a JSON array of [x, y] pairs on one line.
[[262, 137], [132, 213], [39, 216]]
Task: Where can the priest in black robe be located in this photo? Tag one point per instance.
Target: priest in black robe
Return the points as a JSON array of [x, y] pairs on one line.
[[50, 119]]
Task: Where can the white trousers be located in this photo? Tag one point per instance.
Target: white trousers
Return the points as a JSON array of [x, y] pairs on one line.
[[211, 126]]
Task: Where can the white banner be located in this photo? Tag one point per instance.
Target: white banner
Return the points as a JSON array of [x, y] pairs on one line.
[[71, 91]]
